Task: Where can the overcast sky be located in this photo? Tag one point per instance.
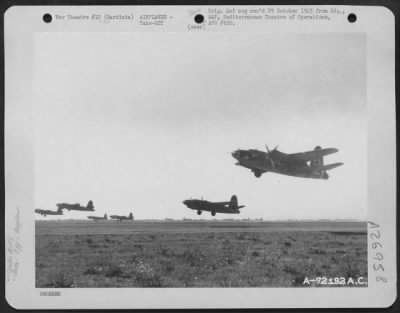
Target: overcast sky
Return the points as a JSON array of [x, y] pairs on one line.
[[139, 122]]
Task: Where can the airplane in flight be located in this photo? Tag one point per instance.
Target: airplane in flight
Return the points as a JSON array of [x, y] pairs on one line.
[[49, 212], [122, 217], [309, 164], [76, 206], [228, 207], [97, 218]]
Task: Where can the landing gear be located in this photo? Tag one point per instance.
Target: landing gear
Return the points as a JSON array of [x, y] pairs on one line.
[[213, 213], [257, 174], [198, 212]]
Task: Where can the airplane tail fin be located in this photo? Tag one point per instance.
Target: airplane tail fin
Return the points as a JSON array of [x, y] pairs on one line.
[[331, 166], [318, 163], [233, 204], [105, 216], [90, 205], [131, 216]]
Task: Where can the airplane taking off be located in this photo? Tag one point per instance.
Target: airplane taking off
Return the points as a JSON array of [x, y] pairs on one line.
[[309, 164], [49, 212], [96, 218], [76, 206], [122, 217], [228, 207]]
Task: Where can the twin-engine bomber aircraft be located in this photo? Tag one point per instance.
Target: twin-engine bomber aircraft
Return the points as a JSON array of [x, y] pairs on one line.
[[122, 217], [309, 164], [230, 207], [76, 206], [97, 218], [49, 212]]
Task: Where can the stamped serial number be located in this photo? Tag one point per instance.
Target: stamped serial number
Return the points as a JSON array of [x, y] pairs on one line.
[[377, 256], [50, 293], [335, 281]]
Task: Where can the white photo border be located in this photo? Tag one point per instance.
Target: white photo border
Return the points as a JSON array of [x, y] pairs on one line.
[[22, 22]]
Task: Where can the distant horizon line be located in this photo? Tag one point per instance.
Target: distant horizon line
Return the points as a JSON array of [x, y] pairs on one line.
[[226, 219]]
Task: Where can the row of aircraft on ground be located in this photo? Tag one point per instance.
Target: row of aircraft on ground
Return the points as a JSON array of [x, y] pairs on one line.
[[78, 207], [308, 164], [113, 217]]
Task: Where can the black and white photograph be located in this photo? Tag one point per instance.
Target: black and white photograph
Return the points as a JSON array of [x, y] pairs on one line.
[[182, 156], [202, 158]]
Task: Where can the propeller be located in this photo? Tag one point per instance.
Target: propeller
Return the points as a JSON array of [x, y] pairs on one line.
[[269, 156]]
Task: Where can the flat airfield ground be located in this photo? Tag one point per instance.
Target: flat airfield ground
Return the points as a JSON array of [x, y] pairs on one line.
[[198, 253]]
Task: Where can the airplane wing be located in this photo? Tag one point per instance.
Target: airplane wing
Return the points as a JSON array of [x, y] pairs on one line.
[[312, 155], [331, 166], [221, 203]]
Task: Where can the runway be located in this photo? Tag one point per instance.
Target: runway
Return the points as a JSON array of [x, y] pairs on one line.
[[77, 227]]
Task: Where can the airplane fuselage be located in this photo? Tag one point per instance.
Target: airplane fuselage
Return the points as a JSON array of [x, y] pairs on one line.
[[48, 212], [203, 205], [74, 207], [122, 217], [259, 162]]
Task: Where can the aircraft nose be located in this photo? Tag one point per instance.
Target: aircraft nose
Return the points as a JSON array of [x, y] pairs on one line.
[[235, 154]]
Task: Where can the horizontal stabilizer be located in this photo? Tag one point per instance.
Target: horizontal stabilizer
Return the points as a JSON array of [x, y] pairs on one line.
[[241, 206], [331, 166], [312, 155]]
